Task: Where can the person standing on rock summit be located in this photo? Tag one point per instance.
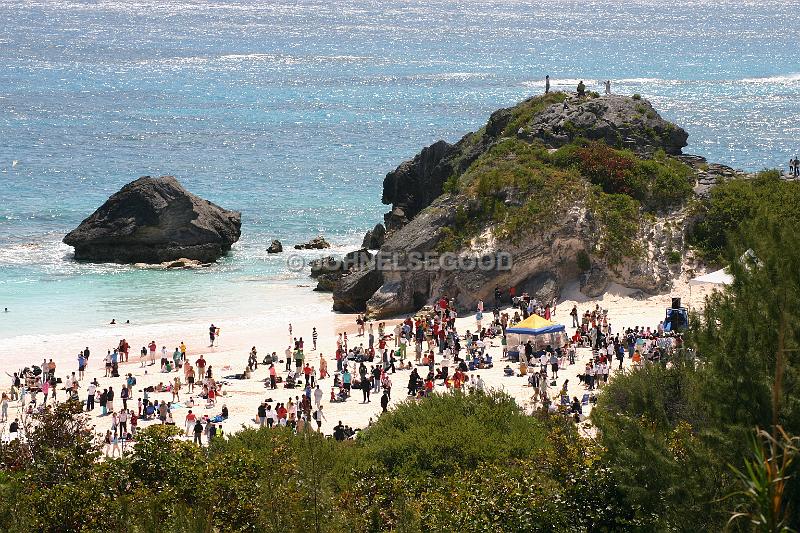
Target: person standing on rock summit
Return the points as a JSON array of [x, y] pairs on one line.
[[547, 84], [608, 87], [581, 89]]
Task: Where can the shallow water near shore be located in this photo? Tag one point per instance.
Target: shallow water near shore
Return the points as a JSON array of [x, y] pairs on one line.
[[292, 112]]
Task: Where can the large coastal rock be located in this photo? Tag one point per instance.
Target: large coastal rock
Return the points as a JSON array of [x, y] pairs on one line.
[[329, 270], [541, 264], [155, 220], [619, 121], [413, 185], [428, 217], [351, 292]]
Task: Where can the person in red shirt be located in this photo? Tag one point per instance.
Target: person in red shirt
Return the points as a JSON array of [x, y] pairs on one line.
[[191, 418], [273, 377], [201, 366], [339, 359], [307, 373]]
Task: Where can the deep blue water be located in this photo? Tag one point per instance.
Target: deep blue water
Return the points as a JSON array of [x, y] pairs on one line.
[[292, 112]]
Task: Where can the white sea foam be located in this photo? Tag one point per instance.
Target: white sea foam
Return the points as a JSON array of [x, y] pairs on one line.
[[788, 78]]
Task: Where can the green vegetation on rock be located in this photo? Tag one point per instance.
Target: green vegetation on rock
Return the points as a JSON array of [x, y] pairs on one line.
[[658, 183], [524, 112], [516, 187], [618, 215]]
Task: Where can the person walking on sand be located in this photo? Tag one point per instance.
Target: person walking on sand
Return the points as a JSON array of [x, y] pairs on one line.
[[201, 366], [212, 334], [176, 389], [198, 432], [191, 418], [323, 367], [319, 417], [152, 346], [4, 408], [90, 392], [188, 373], [365, 389], [81, 364], [314, 338], [318, 397], [384, 401]]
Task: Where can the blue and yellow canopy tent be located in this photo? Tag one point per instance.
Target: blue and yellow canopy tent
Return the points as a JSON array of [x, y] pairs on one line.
[[539, 331]]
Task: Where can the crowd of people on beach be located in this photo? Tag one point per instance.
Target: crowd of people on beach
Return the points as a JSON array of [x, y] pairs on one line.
[[427, 346]]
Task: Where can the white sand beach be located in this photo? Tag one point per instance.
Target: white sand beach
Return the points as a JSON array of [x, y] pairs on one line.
[[230, 355]]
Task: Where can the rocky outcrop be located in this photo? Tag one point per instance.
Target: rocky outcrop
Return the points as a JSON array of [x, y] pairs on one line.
[[183, 264], [317, 243], [275, 248], [329, 270], [374, 238], [413, 185], [709, 174], [428, 217], [323, 265], [352, 291], [541, 264], [155, 220], [619, 121]]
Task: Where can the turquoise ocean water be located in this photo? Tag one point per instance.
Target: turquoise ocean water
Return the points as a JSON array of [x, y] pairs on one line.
[[292, 112]]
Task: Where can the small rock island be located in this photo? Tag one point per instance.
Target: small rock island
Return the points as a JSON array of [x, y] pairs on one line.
[[155, 220]]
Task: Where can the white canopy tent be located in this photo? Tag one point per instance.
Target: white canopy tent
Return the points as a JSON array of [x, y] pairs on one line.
[[719, 277]]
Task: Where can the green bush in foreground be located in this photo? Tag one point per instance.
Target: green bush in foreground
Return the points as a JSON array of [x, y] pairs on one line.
[[452, 431], [451, 461], [738, 201]]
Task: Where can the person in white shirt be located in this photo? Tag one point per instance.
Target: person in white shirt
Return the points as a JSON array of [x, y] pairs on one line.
[[123, 422], [317, 396], [445, 363], [397, 335], [90, 392]]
